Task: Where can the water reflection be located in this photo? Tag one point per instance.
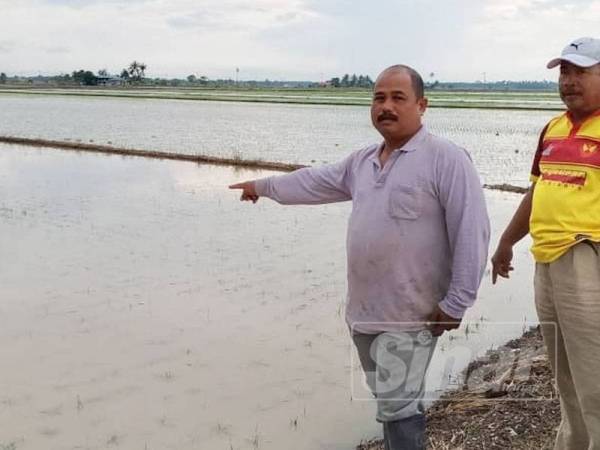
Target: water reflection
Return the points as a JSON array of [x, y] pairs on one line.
[[501, 142], [143, 305]]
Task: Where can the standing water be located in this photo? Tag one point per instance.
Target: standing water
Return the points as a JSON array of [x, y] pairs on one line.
[[501, 142], [143, 306]]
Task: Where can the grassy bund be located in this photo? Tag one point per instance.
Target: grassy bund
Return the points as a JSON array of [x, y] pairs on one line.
[[198, 159], [317, 96], [108, 149]]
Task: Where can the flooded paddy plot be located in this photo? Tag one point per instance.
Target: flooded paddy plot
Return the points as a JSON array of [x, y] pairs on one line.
[[501, 142], [143, 306]]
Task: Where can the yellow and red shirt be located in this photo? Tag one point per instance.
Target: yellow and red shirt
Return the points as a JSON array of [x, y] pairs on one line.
[[566, 199]]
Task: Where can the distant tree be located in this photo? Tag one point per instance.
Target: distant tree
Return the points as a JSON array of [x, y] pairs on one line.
[[192, 78], [85, 77], [89, 79], [363, 81], [124, 74], [203, 80], [102, 73], [3, 78], [64, 79], [137, 71]]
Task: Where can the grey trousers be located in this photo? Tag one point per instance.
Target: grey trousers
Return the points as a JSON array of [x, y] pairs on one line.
[[395, 365]]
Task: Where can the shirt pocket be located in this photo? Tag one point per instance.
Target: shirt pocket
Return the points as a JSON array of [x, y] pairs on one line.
[[405, 202]]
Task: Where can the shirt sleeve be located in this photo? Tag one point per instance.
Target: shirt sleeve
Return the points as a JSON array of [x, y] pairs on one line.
[[310, 185], [468, 228], [535, 168]]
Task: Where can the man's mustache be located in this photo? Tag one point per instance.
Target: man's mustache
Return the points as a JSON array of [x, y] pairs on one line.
[[386, 116]]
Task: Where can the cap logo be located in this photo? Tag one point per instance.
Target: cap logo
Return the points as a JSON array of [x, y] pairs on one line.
[[575, 45]]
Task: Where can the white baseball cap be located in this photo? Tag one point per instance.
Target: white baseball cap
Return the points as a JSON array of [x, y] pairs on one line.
[[583, 52]]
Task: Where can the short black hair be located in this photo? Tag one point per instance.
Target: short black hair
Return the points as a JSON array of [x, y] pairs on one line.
[[415, 78]]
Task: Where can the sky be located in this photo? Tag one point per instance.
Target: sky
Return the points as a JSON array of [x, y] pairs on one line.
[[456, 40]]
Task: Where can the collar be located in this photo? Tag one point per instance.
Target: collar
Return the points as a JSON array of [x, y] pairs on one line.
[[410, 146], [414, 142], [570, 116]]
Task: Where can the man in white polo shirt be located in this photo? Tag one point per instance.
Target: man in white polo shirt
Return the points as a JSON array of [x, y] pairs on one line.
[[416, 245]]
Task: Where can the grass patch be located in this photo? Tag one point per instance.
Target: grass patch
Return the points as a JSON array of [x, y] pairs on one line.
[[317, 96]]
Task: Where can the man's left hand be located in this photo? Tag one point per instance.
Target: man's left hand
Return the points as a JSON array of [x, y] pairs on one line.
[[439, 322]]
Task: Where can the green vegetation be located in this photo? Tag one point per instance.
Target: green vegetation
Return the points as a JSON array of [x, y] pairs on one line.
[[85, 78], [345, 90], [536, 100], [136, 72], [363, 81]]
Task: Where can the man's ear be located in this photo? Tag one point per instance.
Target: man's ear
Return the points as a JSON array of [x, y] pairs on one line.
[[423, 102]]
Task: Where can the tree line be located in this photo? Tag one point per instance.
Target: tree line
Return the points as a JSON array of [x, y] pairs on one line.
[[363, 81], [504, 85], [135, 74]]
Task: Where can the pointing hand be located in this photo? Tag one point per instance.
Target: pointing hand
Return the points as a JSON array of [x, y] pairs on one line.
[[248, 191]]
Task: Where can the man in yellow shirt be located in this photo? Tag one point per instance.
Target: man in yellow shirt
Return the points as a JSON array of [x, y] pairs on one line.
[[561, 211]]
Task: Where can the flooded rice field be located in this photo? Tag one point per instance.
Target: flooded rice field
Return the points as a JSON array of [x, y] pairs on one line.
[[142, 306], [501, 142]]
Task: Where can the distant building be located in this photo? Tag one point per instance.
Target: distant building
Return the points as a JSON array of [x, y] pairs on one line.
[[109, 80]]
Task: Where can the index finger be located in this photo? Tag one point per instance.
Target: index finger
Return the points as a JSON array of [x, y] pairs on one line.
[[237, 186], [498, 269]]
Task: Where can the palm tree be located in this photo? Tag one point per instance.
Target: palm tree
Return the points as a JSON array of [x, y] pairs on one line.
[[133, 69], [137, 70]]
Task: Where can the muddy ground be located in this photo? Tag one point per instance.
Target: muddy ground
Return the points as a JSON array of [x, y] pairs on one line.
[[508, 401]]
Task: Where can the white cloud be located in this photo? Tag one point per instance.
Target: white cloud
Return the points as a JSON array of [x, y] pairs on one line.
[[515, 40], [292, 39], [172, 37]]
